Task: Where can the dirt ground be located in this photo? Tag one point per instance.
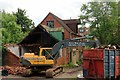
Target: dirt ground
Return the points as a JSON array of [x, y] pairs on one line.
[[67, 73]]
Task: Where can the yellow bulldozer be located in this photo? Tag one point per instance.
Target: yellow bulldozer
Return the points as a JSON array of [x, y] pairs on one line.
[[42, 62], [47, 58]]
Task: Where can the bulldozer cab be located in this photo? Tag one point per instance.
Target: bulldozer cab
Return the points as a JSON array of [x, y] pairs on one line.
[[46, 52]]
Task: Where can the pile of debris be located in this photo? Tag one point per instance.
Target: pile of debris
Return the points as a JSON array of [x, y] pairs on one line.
[[110, 46], [15, 70]]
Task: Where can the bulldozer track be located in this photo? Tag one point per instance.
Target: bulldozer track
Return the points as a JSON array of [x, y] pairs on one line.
[[53, 71], [59, 74]]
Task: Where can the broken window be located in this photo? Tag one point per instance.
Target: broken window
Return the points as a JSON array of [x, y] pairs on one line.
[[50, 24]]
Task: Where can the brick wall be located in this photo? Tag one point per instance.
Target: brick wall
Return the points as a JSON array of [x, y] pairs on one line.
[[11, 60], [66, 34], [61, 60], [50, 18]]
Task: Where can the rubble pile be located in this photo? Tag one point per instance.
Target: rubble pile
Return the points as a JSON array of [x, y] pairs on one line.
[[110, 46], [15, 70]]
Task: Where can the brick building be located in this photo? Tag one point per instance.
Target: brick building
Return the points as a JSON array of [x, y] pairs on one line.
[[70, 26], [40, 37]]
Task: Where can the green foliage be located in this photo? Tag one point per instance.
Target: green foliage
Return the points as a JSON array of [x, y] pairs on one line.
[[69, 65], [10, 30], [103, 18], [79, 62], [23, 20]]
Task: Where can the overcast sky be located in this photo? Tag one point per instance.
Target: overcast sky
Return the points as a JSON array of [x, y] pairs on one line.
[[38, 9]]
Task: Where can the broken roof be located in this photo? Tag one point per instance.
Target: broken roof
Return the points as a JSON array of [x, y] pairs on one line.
[[39, 36]]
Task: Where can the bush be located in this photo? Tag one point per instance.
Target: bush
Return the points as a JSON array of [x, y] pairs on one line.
[[79, 62], [70, 64]]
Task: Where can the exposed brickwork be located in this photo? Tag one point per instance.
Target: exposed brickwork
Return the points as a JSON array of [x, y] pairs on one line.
[[66, 34], [50, 18], [61, 60], [11, 60]]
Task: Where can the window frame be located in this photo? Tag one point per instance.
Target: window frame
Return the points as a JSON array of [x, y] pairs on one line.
[[50, 24]]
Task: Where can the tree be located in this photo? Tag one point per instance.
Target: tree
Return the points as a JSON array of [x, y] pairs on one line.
[[118, 39], [11, 31], [23, 20], [103, 19]]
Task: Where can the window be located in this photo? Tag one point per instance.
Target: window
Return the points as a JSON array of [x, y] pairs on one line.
[[50, 24], [47, 53]]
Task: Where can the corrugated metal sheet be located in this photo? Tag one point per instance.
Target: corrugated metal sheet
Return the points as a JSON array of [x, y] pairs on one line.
[[109, 63], [57, 34], [97, 66]]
